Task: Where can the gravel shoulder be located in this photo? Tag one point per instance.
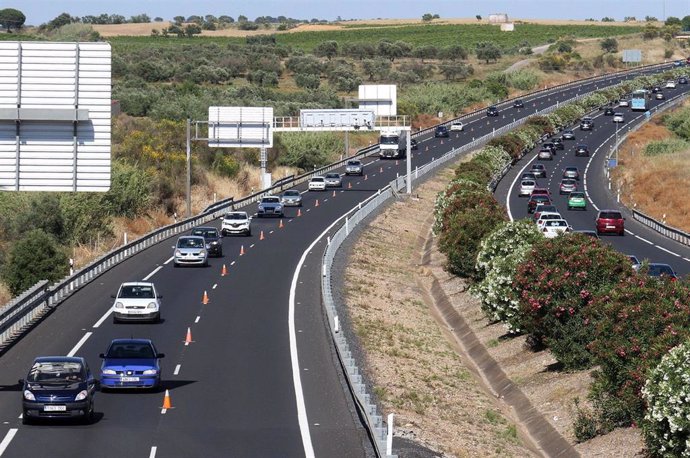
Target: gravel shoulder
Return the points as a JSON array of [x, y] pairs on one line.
[[417, 370]]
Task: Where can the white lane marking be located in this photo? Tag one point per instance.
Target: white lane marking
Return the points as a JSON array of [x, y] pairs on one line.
[[103, 318], [79, 344], [163, 411], [153, 273], [668, 251], [197, 319], [629, 232], [6, 441], [251, 246], [644, 239], [153, 452], [214, 286], [686, 259], [168, 261], [177, 369], [510, 189], [271, 232], [232, 263]]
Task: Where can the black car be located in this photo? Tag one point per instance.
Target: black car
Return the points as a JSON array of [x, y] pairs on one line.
[[441, 131], [518, 104], [214, 244], [582, 150], [558, 143], [608, 111], [549, 145], [587, 123], [492, 111], [58, 387], [568, 134], [682, 80], [414, 144], [656, 89]]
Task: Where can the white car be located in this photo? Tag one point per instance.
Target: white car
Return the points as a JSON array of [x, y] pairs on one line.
[[555, 227], [236, 223], [670, 84], [526, 187], [624, 103], [618, 117], [137, 301], [547, 216], [457, 125], [545, 154], [317, 184]]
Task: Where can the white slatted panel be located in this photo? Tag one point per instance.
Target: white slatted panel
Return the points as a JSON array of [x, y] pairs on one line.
[[56, 75], [237, 127]]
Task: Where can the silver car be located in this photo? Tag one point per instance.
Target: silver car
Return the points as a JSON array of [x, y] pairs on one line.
[[354, 167], [190, 250], [618, 117], [545, 154], [291, 198], [333, 180]]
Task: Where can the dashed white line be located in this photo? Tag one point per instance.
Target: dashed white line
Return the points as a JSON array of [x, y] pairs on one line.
[[153, 452], [76, 348], [8, 438], [233, 263], [177, 369], [103, 318], [197, 319], [152, 273], [668, 251], [168, 261], [644, 239], [215, 285], [252, 245]]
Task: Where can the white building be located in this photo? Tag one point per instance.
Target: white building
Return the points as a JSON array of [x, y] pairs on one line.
[[498, 18]]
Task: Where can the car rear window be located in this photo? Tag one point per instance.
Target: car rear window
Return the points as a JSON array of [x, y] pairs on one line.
[[528, 183], [610, 215]]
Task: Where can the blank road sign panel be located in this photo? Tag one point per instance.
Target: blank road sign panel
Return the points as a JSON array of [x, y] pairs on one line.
[[55, 116], [240, 127], [379, 98]]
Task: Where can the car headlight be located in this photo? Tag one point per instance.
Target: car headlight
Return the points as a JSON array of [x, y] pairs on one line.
[[152, 305], [108, 372], [29, 396], [214, 243], [178, 253], [208, 246], [203, 252], [119, 305], [82, 395], [150, 372]]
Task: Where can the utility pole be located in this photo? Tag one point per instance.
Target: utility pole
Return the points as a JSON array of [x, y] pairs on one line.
[[189, 168], [408, 162]]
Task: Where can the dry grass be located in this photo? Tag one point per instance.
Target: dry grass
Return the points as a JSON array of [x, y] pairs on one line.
[[651, 184], [5, 295]]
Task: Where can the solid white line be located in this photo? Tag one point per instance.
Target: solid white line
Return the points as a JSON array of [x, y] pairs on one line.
[[6, 441], [103, 318], [79, 344], [153, 273], [163, 411], [177, 369], [153, 452], [668, 251], [168, 261], [510, 189]]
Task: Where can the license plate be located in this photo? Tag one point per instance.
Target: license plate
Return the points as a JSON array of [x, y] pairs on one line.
[[54, 408], [129, 379], [610, 227]]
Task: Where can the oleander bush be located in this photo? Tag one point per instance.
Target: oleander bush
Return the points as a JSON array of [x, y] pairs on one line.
[[666, 424]]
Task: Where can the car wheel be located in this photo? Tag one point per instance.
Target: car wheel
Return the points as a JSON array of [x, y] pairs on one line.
[[220, 254], [622, 233], [249, 233], [569, 208], [157, 319], [89, 416], [205, 264], [115, 320], [176, 265], [26, 420]]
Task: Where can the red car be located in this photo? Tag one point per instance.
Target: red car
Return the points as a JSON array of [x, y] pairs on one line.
[[539, 199], [610, 221], [540, 191]]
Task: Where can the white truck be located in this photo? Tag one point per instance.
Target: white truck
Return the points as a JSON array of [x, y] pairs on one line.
[[393, 144]]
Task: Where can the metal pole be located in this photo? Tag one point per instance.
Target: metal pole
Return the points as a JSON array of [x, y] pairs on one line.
[[389, 437], [189, 168], [347, 143], [617, 144], [408, 162], [263, 161]]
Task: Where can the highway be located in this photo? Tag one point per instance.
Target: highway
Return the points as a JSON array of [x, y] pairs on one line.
[[260, 377], [638, 240]]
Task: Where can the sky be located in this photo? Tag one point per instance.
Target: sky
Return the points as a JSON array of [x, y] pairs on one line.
[[40, 11]]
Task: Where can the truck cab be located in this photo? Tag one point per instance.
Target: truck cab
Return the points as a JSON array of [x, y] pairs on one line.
[[393, 144]]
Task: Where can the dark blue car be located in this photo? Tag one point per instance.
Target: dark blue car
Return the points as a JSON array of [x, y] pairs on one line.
[[131, 363]]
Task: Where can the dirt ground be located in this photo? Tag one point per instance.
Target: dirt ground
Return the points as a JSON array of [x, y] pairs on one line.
[[419, 375]]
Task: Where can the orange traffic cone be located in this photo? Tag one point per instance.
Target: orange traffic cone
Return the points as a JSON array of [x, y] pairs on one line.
[[224, 271], [261, 235], [204, 300], [442, 142], [241, 250], [427, 148], [317, 203], [281, 225], [349, 186], [299, 212], [188, 338], [167, 404]]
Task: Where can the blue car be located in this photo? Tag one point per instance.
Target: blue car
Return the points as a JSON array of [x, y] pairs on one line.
[[131, 363]]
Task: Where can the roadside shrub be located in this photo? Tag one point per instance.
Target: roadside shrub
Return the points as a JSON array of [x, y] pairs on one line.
[[678, 122], [36, 256], [130, 191], [666, 424], [474, 171], [306, 150], [523, 80], [557, 281], [494, 157], [510, 143], [586, 424], [455, 188], [635, 325], [225, 165], [665, 146], [541, 123]]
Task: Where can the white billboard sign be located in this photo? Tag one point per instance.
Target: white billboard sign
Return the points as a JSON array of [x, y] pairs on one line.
[[240, 127], [379, 98], [333, 118], [632, 55], [55, 116]]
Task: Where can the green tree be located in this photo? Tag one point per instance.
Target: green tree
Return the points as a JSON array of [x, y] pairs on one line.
[[377, 69], [488, 51], [609, 45], [178, 20], [607, 19], [672, 20], [192, 29], [650, 32], [427, 17], [328, 49], [452, 52], [11, 18], [650, 19], [685, 23], [307, 80], [35, 257], [479, 17], [425, 52], [455, 70]]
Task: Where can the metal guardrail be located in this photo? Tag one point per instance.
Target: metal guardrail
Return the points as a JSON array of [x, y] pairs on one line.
[[662, 228]]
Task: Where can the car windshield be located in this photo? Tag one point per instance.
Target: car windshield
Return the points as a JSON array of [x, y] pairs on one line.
[[656, 270], [130, 350], [292, 193], [189, 242], [568, 131], [270, 200], [236, 216], [57, 373], [206, 233], [610, 215], [355, 163], [136, 292], [571, 169], [317, 180], [332, 175], [582, 147], [389, 140], [440, 129]]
